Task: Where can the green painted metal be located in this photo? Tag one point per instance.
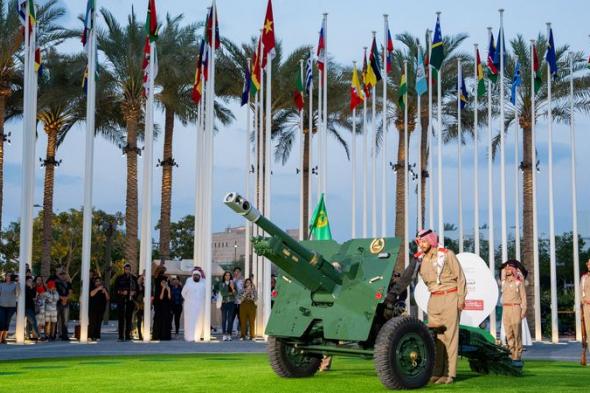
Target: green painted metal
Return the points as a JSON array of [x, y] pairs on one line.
[[333, 350], [411, 355]]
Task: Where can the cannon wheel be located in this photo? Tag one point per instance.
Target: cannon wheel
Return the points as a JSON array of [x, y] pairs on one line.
[[404, 353], [288, 363]]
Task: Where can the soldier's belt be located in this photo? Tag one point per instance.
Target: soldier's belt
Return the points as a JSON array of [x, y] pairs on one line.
[[438, 293], [510, 304]]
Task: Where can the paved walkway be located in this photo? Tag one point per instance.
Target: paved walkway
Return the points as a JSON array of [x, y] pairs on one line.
[[109, 346]]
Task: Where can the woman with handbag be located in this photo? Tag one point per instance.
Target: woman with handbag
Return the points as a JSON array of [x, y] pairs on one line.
[[227, 291]]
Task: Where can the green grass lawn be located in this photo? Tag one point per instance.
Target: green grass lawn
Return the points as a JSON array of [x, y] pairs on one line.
[[251, 373]]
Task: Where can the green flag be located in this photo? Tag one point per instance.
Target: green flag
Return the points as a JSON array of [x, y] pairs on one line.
[[437, 48], [403, 92], [319, 226]]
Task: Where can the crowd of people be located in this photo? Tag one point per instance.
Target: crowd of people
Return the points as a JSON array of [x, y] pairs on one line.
[[47, 305]]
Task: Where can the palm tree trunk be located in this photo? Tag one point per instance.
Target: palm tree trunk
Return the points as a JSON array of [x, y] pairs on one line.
[[48, 200], [424, 156], [400, 201], [306, 171], [131, 196], [527, 219], [2, 109], [166, 204]]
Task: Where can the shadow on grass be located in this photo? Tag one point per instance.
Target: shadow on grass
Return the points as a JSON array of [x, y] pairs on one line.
[[7, 373], [99, 362], [46, 367], [158, 360]]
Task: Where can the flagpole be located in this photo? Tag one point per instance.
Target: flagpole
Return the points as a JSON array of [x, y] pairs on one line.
[[88, 178], [552, 258], [301, 159], [430, 137], [374, 161], [419, 223], [516, 188], [325, 133], [441, 224], [28, 173], [384, 149], [310, 147], [260, 186], [248, 227], [406, 179], [502, 143], [267, 186], [255, 188], [459, 166], [574, 205], [353, 143], [491, 243], [319, 132], [365, 162], [536, 279], [476, 160], [198, 227]]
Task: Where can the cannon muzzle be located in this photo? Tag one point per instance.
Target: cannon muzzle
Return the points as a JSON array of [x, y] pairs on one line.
[[306, 266]]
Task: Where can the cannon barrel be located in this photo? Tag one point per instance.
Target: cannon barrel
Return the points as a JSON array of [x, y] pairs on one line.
[[306, 266]]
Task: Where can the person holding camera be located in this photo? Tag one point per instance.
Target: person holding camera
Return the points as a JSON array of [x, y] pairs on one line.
[[227, 291], [99, 298]]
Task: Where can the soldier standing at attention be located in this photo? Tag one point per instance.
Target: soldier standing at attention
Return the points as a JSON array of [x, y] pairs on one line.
[[513, 307], [585, 299], [441, 272]]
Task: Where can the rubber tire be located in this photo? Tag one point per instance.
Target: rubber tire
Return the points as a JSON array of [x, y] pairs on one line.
[[283, 366], [385, 348]]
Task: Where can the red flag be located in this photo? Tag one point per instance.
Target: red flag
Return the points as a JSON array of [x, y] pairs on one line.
[[151, 23], [389, 56], [210, 30], [321, 54], [146, 64], [268, 35]]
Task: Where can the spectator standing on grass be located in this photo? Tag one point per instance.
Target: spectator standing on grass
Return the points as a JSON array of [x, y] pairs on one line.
[[139, 307], [30, 314], [40, 304], [227, 291], [51, 300], [239, 285], [8, 295], [248, 299], [162, 308], [64, 288], [177, 301], [125, 289], [99, 298]]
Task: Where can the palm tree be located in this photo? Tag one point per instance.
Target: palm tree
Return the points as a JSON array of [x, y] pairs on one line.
[[58, 110], [285, 116], [395, 114], [123, 50], [560, 110], [49, 33]]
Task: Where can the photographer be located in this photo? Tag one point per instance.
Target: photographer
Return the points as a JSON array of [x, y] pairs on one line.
[[99, 298]]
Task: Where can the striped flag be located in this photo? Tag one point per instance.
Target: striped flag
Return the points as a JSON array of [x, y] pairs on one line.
[[389, 57], [90, 7], [463, 95], [256, 72], [492, 70], [198, 83], [481, 86], [321, 53], [437, 49], [403, 91]]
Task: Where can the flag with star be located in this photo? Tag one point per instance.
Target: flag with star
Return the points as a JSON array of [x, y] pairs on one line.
[[268, 35], [437, 48]]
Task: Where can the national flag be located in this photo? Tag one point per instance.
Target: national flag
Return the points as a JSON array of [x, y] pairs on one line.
[[421, 84], [463, 95], [516, 82], [268, 35], [374, 60], [319, 226], [356, 93], [389, 57], [85, 80], [365, 73], [437, 49], [551, 56], [210, 29], [151, 21], [246, 89], [481, 86], [298, 93], [500, 50], [38, 63], [90, 7], [198, 83], [205, 62], [148, 51], [256, 69], [403, 91], [309, 73], [321, 53], [492, 70], [22, 15], [537, 70]]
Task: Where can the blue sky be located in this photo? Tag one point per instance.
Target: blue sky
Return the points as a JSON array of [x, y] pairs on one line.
[[349, 29]]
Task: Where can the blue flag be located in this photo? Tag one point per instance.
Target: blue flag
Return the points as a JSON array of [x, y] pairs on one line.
[[516, 82], [464, 96], [421, 85], [551, 57], [500, 48], [247, 84], [309, 73]]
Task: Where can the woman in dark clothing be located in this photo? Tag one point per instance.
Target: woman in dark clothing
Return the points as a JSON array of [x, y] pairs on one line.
[[177, 301], [99, 297], [227, 291], [139, 306], [162, 309]]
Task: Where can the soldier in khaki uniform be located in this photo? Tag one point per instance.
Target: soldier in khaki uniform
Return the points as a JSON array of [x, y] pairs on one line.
[[514, 307], [441, 272], [585, 299]]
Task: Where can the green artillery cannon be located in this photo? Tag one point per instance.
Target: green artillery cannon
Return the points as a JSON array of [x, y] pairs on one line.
[[339, 299]]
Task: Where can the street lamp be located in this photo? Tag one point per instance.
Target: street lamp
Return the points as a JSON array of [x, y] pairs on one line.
[[235, 250]]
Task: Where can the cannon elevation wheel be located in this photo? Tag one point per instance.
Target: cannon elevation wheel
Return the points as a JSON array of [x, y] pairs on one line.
[[404, 353], [288, 362]]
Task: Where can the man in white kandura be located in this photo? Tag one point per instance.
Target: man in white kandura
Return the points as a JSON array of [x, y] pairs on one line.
[[193, 293]]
